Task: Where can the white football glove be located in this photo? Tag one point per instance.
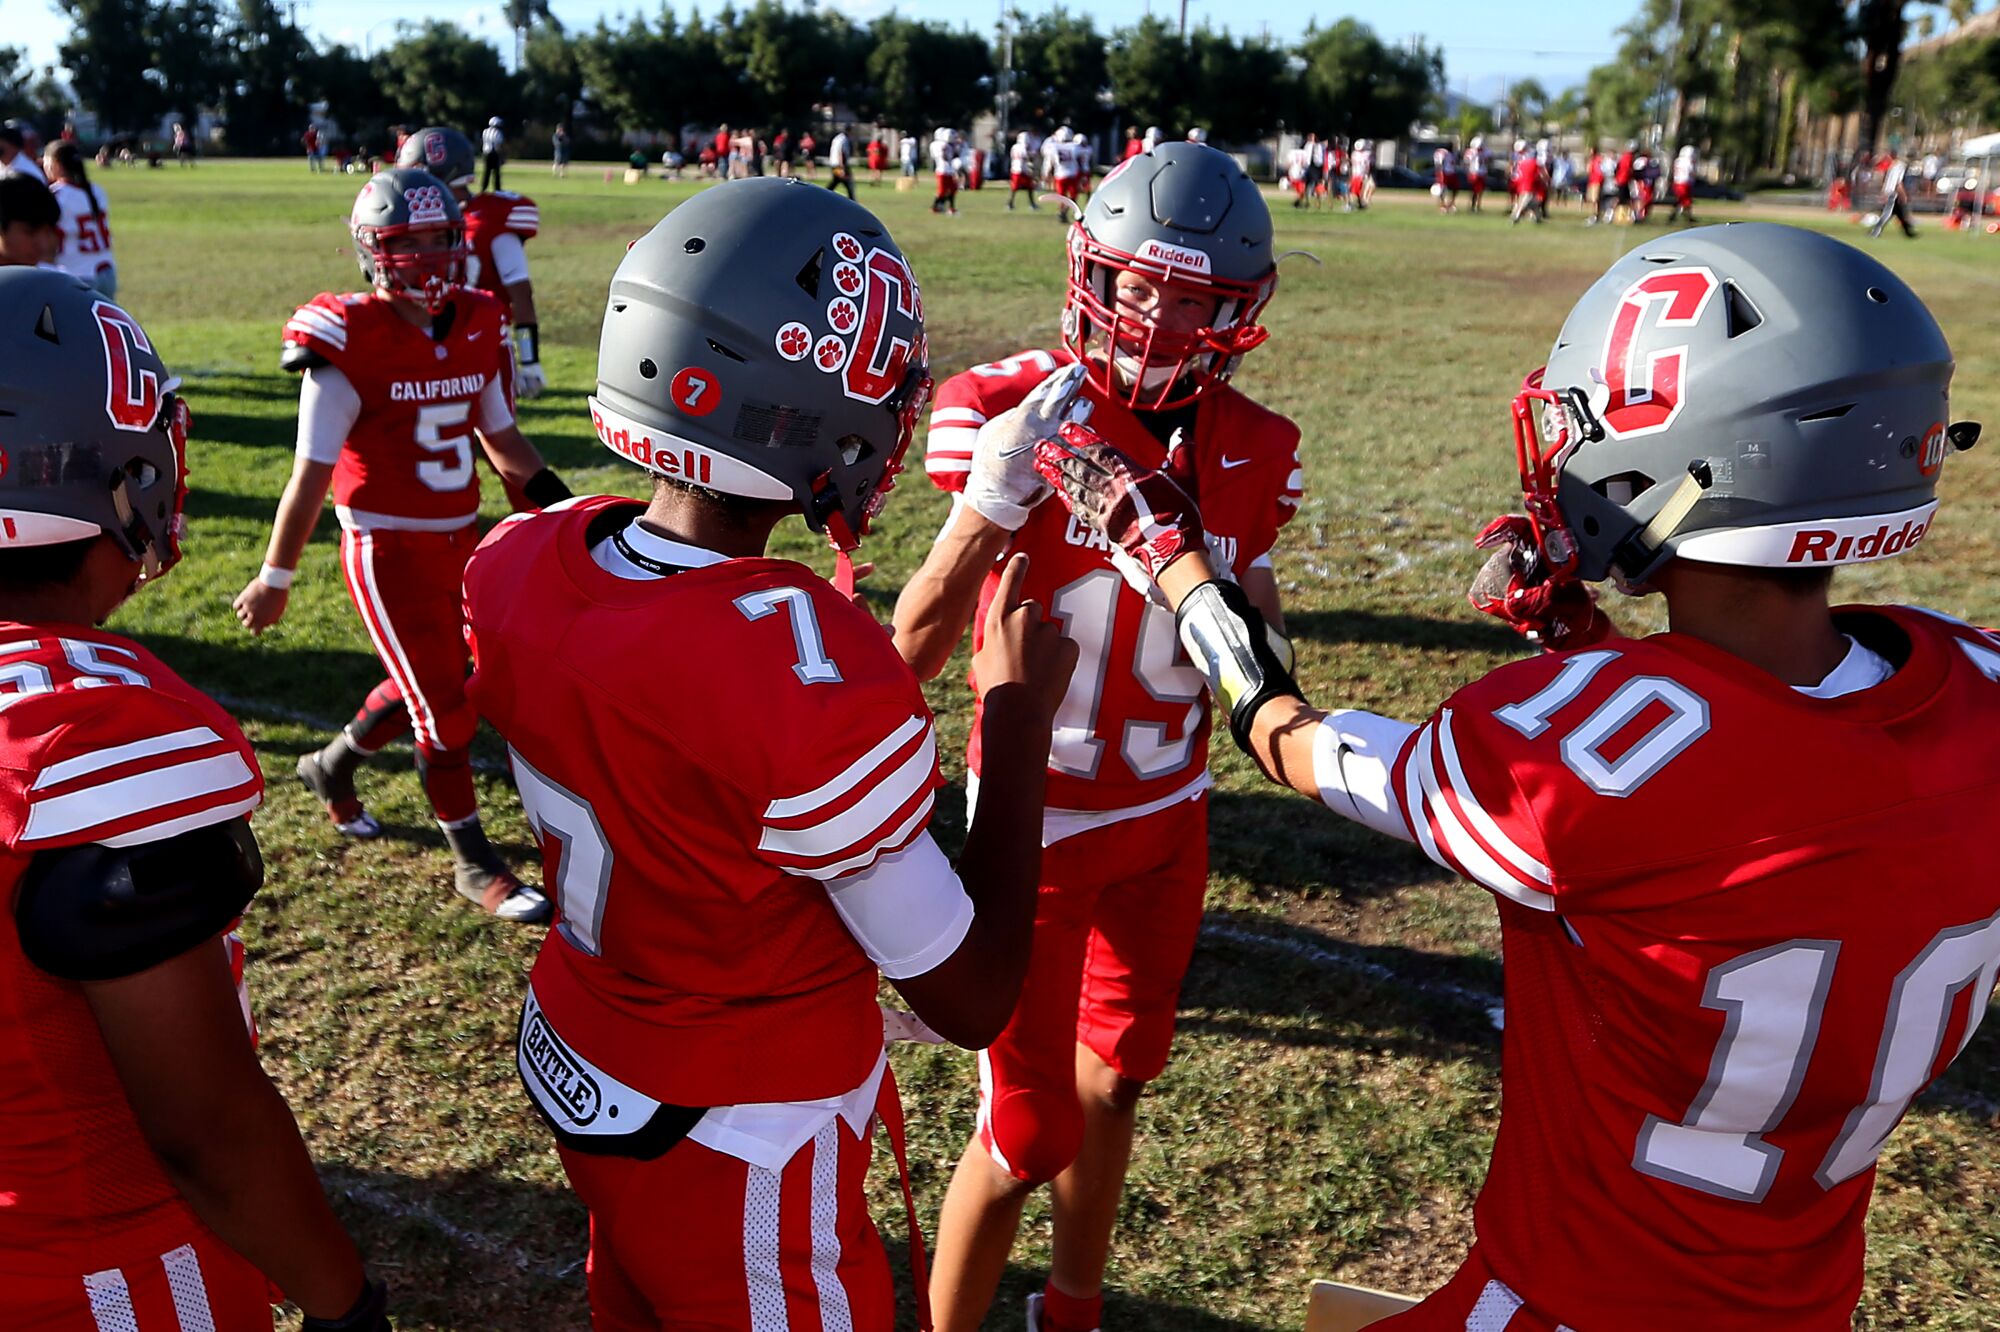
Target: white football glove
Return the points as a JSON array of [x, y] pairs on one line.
[[1004, 487], [529, 381]]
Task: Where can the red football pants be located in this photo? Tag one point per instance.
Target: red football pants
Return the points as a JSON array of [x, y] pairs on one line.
[[699, 1241], [947, 188], [1115, 924], [1474, 1300], [407, 586], [175, 1283]]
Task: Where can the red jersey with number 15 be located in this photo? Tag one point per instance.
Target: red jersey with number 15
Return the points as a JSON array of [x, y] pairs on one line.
[[1134, 725], [700, 754], [496, 213], [1744, 928], [408, 461], [99, 742]]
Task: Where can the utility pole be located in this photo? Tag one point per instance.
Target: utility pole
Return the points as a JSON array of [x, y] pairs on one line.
[[1183, 20], [1006, 73]]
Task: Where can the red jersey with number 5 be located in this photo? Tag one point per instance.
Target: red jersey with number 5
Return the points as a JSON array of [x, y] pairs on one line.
[[408, 461], [1134, 726], [99, 742], [699, 753], [1744, 928], [487, 216]]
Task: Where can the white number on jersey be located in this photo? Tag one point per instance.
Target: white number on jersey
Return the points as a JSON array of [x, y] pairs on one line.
[[1774, 999], [583, 864], [1087, 609], [813, 666], [1013, 365], [1582, 749], [431, 422], [19, 679]]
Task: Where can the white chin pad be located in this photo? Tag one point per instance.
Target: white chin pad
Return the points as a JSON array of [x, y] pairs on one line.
[[1131, 369]]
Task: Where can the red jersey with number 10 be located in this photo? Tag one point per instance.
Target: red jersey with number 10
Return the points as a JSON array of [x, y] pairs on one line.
[[99, 742], [699, 753], [1134, 725], [1744, 928], [408, 461]]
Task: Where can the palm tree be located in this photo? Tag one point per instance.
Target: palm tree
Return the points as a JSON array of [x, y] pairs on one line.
[[521, 16]]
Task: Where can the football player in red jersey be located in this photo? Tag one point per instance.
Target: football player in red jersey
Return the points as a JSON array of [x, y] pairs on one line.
[[731, 771], [1170, 266], [151, 1177], [496, 225], [396, 381], [1712, 1022]]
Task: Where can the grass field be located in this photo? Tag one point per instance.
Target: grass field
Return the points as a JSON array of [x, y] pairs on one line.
[[1335, 1084]]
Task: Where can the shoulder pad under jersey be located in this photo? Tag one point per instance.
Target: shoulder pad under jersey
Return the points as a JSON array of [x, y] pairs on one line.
[[96, 912]]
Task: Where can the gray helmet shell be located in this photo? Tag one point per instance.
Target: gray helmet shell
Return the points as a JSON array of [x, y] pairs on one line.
[[443, 152], [92, 433], [766, 339], [399, 200], [1807, 377], [1187, 198]]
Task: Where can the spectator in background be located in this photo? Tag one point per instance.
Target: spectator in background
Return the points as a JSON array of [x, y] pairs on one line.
[[808, 163], [559, 148], [839, 163], [315, 148], [1152, 139], [1895, 199], [69, 131], [1475, 169], [878, 157], [183, 145], [1684, 170], [30, 222], [15, 159], [85, 222], [781, 148], [673, 160], [910, 158], [1134, 145], [491, 143]]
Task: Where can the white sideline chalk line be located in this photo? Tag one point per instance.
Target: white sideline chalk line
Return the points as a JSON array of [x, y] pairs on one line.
[[1488, 1004], [382, 1200]]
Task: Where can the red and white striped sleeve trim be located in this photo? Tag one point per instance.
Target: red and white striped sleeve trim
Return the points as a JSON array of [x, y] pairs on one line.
[[873, 806], [141, 791], [317, 323], [1456, 830], [948, 446], [525, 219]]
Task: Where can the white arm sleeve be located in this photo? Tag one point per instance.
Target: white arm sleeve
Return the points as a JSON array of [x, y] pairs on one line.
[[491, 412], [328, 409], [510, 259], [1354, 766], [908, 911]]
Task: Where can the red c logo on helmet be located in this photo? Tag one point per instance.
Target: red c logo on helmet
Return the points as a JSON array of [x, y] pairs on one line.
[[1646, 390], [880, 358], [131, 395]]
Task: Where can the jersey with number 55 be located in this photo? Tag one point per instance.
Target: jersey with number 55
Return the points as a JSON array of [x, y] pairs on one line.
[[1744, 928], [702, 755], [408, 457], [1133, 727]]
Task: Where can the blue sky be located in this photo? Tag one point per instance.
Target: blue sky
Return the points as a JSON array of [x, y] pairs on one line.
[[1485, 44]]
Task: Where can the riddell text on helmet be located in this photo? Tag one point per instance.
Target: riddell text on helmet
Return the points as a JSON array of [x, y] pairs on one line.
[[689, 464], [1826, 546]]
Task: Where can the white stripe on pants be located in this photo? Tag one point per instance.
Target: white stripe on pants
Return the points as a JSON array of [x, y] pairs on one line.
[[762, 1249], [359, 554]]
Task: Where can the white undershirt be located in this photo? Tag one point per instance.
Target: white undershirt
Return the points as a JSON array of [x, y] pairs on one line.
[[329, 406], [1354, 753], [24, 164], [510, 259], [907, 910]]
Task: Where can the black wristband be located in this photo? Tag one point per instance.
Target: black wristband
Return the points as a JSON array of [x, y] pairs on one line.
[[369, 1314], [545, 488], [534, 332]]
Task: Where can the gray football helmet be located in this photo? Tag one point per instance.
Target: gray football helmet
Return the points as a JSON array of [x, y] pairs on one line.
[[1748, 394], [443, 152], [766, 339], [1187, 217], [404, 201], [93, 436]]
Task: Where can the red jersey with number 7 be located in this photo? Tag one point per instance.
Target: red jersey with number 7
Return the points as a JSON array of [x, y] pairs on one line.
[[408, 461], [700, 755], [99, 742], [1133, 727], [1744, 928]]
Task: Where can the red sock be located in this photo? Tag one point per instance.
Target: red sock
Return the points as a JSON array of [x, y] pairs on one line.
[[1068, 1313], [383, 717], [447, 778]]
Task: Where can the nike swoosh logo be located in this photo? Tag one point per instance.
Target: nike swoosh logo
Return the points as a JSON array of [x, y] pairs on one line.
[[1228, 463], [474, 337]]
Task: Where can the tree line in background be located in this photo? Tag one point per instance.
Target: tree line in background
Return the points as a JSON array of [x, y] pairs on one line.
[[766, 65]]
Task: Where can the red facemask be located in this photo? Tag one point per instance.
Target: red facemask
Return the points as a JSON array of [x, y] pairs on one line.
[[1541, 461], [1165, 369], [428, 276]]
